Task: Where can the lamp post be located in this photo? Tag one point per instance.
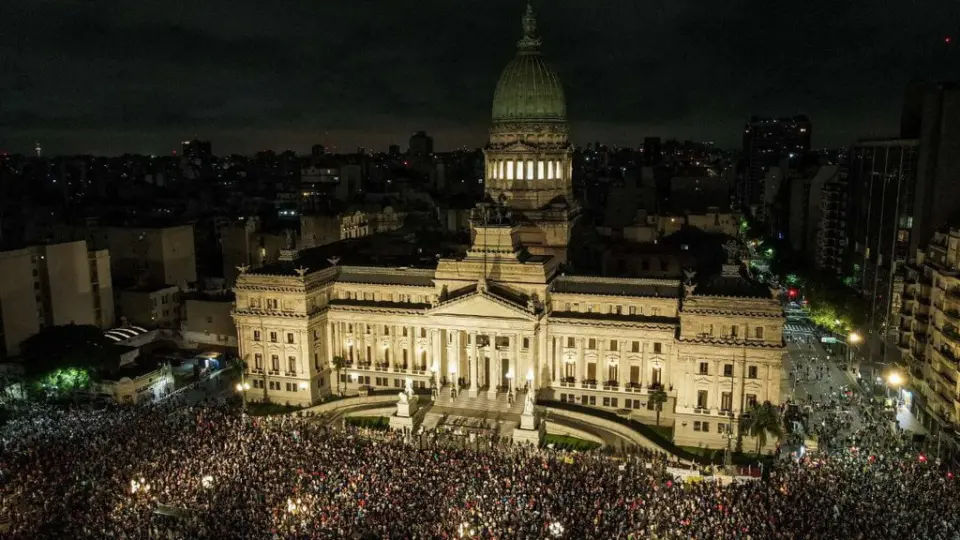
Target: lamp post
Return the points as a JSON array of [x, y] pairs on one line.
[[530, 380], [896, 380], [510, 381], [852, 339], [242, 388]]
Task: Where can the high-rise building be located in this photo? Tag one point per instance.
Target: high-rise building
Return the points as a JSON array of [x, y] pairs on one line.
[[932, 115], [929, 331], [149, 255], [767, 141], [831, 234], [882, 180], [52, 285], [421, 144]]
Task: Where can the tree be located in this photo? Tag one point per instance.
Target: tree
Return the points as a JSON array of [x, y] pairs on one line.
[[338, 363], [66, 358], [761, 421], [658, 397]]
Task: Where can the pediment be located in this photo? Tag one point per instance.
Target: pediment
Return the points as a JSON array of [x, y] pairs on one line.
[[519, 147], [483, 306]]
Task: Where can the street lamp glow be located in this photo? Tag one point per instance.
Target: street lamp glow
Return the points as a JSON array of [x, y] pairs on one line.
[[895, 379], [854, 338]]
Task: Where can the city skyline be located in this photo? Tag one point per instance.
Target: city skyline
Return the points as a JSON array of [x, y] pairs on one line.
[[109, 79]]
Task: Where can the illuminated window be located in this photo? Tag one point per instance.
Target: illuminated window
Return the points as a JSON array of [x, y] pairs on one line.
[[530, 170], [549, 170], [559, 174], [519, 170], [509, 170], [540, 170], [500, 172]]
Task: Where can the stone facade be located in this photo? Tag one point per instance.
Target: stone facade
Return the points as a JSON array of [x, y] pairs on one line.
[[496, 319]]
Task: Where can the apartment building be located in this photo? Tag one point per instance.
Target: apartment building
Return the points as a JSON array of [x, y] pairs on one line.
[[51, 285]]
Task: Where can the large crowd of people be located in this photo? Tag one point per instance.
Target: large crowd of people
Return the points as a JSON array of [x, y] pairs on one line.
[[210, 472]]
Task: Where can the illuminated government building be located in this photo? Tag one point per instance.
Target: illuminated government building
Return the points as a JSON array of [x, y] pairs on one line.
[[499, 316]]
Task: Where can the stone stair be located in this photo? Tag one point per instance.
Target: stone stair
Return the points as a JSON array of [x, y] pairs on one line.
[[481, 403]]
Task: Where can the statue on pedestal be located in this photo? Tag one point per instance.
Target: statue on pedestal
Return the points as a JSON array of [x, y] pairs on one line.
[[529, 403], [402, 396]]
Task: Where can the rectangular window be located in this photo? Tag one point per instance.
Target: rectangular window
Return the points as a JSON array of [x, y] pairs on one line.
[[386, 330], [540, 170], [550, 170], [733, 331], [275, 362], [606, 402], [701, 399], [633, 310], [758, 332], [256, 335], [423, 332], [289, 337], [704, 368], [591, 344], [292, 364], [726, 401], [530, 170], [751, 401], [619, 310], [635, 346], [696, 425], [634, 374], [592, 400], [271, 303], [520, 170], [273, 337], [657, 348], [258, 361], [510, 170], [752, 372], [526, 343], [728, 370], [613, 345], [571, 343], [705, 427]]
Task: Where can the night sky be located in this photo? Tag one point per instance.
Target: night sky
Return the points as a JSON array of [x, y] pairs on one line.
[[107, 77]]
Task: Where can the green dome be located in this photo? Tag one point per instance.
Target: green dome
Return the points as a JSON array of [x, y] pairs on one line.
[[529, 90]]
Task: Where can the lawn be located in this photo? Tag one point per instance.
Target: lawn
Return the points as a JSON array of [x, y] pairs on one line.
[[665, 431], [565, 442], [378, 423], [269, 409]]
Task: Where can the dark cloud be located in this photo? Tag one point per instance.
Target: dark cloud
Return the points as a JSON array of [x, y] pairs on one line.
[[110, 76]]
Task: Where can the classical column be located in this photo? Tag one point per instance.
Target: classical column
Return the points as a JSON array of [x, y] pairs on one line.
[[581, 363], [436, 364], [493, 370], [474, 388], [519, 374], [620, 364]]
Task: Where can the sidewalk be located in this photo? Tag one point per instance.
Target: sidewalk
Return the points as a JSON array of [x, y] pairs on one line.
[[908, 422]]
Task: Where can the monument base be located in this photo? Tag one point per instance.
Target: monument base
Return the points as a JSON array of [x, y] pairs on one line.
[[528, 436], [528, 422], [408, 424], [409, 408]]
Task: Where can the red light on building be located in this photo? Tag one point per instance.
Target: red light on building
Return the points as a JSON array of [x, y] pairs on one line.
[[947, 40], [792, 292]]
